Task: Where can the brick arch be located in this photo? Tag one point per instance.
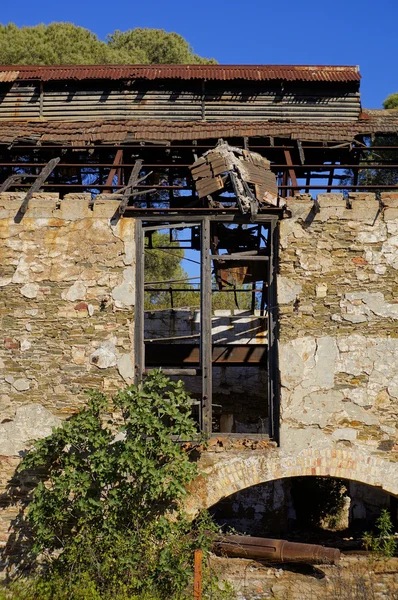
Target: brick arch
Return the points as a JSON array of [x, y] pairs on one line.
[[233, 473]]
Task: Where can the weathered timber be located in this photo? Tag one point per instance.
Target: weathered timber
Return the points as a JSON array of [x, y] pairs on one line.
[[247, 174]]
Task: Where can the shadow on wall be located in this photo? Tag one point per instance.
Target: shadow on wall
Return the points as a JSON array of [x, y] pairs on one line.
[[306, 508], [16, 554]]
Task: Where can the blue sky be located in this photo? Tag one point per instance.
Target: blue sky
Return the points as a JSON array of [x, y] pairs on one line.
[[358, 32]]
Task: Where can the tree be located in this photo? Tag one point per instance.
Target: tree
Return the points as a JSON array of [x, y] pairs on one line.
[[153, 46], [107, 517], [65, 43], [54, 44], [377, 176], [391, 101], [164, 265]]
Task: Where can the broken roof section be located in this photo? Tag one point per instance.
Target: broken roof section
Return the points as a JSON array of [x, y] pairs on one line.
[[246, 175], [202, 72], [130, 131]]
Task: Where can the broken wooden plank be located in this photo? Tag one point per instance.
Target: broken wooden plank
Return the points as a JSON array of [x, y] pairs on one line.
[[208, 186], [203, 171]]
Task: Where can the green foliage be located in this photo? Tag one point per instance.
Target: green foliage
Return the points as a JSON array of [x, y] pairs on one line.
[[391, 101], [106, 518], [152, 46], [53, 44], [68, 44], [164, 265], [382, 544], [377, 176]]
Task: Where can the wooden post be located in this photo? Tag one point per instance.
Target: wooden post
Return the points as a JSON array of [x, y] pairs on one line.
[[197, 581]]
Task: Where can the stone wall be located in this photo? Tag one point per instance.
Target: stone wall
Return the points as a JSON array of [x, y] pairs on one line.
[[66, 308], [338, 296], [66, 313], [338, 352]]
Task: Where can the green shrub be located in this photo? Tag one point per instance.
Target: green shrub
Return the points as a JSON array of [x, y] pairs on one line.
[[383, 544], [106, 517]]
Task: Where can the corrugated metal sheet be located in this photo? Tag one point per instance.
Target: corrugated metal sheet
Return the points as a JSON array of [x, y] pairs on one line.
[[204, 72], [7, 76], [117, 132]]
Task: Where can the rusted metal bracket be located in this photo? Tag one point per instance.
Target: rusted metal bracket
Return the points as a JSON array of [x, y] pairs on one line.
[[39, 180]]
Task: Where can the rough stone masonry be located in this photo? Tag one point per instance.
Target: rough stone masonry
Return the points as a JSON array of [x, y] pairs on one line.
[[338, 352], [66, 314], [66, 310], [338, 296]]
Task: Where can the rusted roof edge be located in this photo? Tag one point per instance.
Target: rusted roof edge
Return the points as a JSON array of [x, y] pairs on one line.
[[314, 73]]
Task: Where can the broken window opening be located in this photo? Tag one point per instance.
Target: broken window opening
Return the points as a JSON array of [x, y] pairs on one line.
[[206, 314]]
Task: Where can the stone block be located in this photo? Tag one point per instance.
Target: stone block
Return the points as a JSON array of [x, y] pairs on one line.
[[298, 198], [74, 207], [364, 207], [42, 206], [331, 200], [299, 207], [391, 214], [10, 204], [332, 206], [105, 206], [288, 290], [390, 199]]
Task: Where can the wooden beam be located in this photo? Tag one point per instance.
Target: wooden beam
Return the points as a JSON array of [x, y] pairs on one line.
[[114, 170], [292, 172]]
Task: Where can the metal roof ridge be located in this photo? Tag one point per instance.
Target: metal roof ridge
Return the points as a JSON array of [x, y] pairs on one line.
[[188, 66]]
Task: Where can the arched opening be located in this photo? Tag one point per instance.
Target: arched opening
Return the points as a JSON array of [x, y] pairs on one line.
[[321, 510]]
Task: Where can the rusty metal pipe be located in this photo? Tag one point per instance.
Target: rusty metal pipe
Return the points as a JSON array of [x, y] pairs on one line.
[[241, 546]]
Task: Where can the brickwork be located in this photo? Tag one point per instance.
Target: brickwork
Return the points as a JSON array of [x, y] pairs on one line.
[[234, 471]]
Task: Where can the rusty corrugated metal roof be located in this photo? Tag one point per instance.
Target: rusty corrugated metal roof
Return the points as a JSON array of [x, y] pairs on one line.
[[120, 132], [6, 76], [186, 72]]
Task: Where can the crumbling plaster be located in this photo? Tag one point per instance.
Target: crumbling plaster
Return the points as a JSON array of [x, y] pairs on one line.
[[338, 348]]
